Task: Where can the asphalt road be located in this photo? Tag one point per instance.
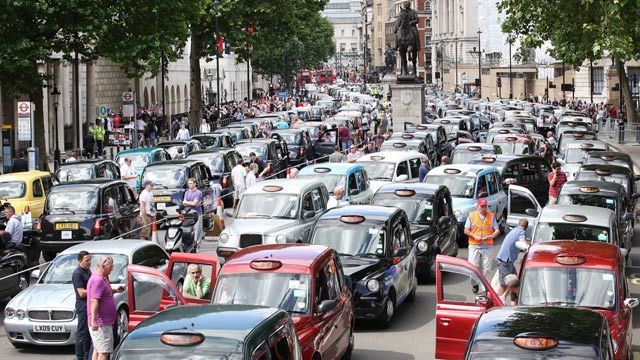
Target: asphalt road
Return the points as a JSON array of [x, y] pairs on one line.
[[411, 335]]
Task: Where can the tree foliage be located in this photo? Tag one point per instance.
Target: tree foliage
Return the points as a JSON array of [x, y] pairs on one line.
[[579, 30]]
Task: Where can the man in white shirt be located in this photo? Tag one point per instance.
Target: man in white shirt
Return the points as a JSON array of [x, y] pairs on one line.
[[335, 200], [147, 210], [251, 179], [238, 175], [354, 154], [128, 174], [204, 127], [14, 225], [183, 133]]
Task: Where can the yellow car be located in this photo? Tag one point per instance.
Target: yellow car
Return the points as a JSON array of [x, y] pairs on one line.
[[26, 189]]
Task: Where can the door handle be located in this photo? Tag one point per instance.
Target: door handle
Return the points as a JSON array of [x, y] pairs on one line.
[[445, 321]]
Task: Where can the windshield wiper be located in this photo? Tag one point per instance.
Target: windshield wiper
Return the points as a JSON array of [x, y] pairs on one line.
[[280, 217], [257, 216], [366, 255], [159, 185], [380, 178], [64, 209], [560, 302]]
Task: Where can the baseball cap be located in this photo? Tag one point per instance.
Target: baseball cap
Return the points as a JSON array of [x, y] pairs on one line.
[[482, 202]]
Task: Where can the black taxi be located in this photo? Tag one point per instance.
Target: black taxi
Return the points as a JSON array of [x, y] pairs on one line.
[[299, 144], [618, 174], [540, 332], [87, 169], [88, 210], [187, 147], [211, 140], [374, 244], [272, 152], [434, 227], [240, 332]]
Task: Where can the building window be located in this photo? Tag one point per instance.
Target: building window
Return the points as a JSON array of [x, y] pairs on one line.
[[427, 6], [597, 80], [634, 79], [354, 47], [342, 32], [428, 23], [353, 32]]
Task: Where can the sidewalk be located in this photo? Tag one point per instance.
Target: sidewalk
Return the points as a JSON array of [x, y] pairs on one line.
[[630, 146]]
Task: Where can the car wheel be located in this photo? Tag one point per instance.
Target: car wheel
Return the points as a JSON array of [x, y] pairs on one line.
[[387, 313], [351, 346], [412, 295], [49, 255], [122, 325], [502, 222], [429, 276]]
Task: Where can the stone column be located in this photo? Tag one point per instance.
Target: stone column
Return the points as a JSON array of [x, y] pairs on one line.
[[91, 98], [65, 110]]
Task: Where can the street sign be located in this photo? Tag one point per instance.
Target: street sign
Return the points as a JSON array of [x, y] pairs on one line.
[[283, 95], [24, 108], [127, 110], [102, 111], [24, 120], [127, 97], [128, 104]]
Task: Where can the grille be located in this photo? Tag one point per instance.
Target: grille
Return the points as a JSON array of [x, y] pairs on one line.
[[247, 240], [40, 336], [44, 315]]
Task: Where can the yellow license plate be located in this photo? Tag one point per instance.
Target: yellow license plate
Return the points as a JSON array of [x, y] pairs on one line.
[[67, 226], [162, 198]]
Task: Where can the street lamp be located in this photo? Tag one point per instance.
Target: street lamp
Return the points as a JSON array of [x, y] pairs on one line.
[[56, 101], [479, 67], [216, 5]]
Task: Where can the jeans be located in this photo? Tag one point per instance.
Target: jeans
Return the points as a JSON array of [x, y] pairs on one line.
[[345, 144], [83, 340]]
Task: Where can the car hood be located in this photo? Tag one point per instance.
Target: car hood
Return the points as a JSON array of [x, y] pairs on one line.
[[459, 203], [45, 296], [377, 184], [359, 267], [571, 170], [259, 226]]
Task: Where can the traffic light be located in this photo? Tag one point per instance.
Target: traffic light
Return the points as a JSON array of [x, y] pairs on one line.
[[499, 82]]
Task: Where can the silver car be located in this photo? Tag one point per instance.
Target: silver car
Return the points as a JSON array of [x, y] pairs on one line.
[[44, 313], [274, 212]]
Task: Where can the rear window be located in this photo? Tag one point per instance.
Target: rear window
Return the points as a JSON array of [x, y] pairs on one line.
[[75, 172], [68, 200], [12, 189]]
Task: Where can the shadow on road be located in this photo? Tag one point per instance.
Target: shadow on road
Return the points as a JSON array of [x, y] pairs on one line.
[[409, 315], [380, 354]]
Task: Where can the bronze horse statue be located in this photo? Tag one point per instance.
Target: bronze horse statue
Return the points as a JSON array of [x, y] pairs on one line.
[[407, 41]]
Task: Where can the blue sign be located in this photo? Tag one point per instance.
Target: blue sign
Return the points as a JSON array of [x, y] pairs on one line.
[[102, 111], [283, 95]]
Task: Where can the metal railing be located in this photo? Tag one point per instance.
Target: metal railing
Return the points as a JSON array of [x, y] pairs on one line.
[[609, 129]]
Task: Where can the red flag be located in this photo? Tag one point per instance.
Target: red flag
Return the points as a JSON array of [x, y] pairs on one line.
[[220, 43]]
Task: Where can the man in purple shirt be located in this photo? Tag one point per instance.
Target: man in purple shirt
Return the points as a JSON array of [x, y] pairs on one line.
[[101, 309], [193, 200]]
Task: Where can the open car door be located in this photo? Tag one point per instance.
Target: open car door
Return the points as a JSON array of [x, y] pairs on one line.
[[458, 306], [327, 141], [184, 267], [522, 203], [409, 125]]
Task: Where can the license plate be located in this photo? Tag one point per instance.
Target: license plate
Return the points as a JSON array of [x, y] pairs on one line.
[[160, 199], [49, 328], [67, 226], [66, 235], [161, 206]]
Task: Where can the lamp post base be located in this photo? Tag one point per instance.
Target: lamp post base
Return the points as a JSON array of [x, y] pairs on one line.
[[56, 159]]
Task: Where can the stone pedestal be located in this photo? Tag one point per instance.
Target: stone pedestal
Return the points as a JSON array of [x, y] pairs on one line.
[[408, 104]]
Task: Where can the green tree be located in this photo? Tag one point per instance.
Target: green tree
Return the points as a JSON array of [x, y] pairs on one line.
[[579, 30]]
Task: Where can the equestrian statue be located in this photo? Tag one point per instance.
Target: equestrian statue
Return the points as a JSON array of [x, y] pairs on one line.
[[407, 39]]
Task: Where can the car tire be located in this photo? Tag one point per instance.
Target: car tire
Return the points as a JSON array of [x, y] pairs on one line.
[[502, 222], [49, 255], [122, 325], [388, 312]]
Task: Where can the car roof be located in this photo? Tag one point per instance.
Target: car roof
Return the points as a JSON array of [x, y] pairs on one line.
[[584, 144], [419, 188], [98, 182], [391, 142], [391, 156], [333, 168], [481, 146], [184, 162], [597, 254], [595, 216], [288, 186], [296, 258], [518, 138], [84, 161], [23, 176], [604, 154], [174, 142], [507, 322], [144, 150], [260, 141], [117, 246], [370, 212], [287, 131], [461, 169], [209, 151], [616, 169], [574, 187]]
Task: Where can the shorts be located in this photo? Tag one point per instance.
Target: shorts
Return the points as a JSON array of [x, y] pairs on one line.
[[102, 339], [237, 193], [504, 269], [145, 221]]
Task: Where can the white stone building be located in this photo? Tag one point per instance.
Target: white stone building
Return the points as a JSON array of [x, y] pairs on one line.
[[347, 19]]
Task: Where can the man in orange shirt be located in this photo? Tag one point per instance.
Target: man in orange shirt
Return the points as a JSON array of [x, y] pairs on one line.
[[481, 228]]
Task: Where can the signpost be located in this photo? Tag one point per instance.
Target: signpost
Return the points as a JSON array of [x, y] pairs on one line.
[[102, 111], [25, 117], [129, 110]]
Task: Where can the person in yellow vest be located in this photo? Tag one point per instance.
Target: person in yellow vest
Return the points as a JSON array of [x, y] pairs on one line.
[[97, 130], [481, 228]]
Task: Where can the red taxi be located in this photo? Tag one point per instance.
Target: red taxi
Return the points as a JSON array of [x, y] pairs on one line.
[[189, 280], [515, 144], [305, 280], [556, 273]]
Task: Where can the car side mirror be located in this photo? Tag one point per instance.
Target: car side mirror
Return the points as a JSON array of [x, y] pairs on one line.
[[636, 178], [444, 220], [308, 214], [35, 274], [624, 252], [230, 212], [403, 177], [627, 216], [631, 302], [483, 194], [354, 192], [401, 252], [483, 300], [560, 161], [326, 306], [531, 212]]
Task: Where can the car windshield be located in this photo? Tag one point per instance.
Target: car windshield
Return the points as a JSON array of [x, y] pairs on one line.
[[351, 239], [246, 149], [466, 156], [565, 231], [290, 292], [70, 200], [75, 172], [173, 150], [268, 205], [390, 146], [215, 161], [460, 186], [378, 170], [170, 178], [419, 211], [208, 141], [574, 155], [588, 200], [330, 181], [614, 178], [61, 269], [138, 161], [12, 189], [513, 148], [568, 285], [291, 138]]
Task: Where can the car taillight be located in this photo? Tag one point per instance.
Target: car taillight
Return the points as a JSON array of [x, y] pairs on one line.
[[181, 217], [224, 182], [97, 227], [301, 152]]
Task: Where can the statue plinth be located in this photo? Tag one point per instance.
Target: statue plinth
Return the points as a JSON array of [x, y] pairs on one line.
[[408, 102], [408, 79]]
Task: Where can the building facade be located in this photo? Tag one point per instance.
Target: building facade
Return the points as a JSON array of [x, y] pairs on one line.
[[346, 16]]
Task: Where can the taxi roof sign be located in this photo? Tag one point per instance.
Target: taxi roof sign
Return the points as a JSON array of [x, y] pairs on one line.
[[589, 189], [265, 264], [399, 145], [488, 159], [452, 171], [574, 218], [474, 148], [322, 170], [603, 172], [405, 192], [535, 342], [352, 219], [377, 157], [570, 260], [272, 188], [407, 136], [181, 338]]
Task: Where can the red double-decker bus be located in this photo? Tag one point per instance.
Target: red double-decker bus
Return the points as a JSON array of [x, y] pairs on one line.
[[325, 77], [305, 77]]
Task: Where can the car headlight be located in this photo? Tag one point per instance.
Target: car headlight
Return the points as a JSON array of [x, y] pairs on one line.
[[458, 214], [615, 345], [9, 313], [281, 238], [224, 238], [373, 285], [423, 246], [20, 314]]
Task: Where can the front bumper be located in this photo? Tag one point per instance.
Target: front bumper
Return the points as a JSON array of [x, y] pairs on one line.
[[22, 332], [369, 306]]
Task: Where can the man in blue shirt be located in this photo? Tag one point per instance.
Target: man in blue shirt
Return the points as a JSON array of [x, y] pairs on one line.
[[14, 225], [508, 253], [423, 170]]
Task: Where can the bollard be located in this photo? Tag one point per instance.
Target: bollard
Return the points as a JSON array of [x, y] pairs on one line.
[[154, 233]]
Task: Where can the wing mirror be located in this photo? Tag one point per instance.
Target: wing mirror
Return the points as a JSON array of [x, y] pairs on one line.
[[403, 177], [531, 212], [627, 216], [354, 192], [635, 196], [444, 220], [560, 161], [308, 214], [624, 252], [636, 178], [631, 302], [35, 274], [483, 300], [326, 306], [483, 194], [230, 212], [401, 252]]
